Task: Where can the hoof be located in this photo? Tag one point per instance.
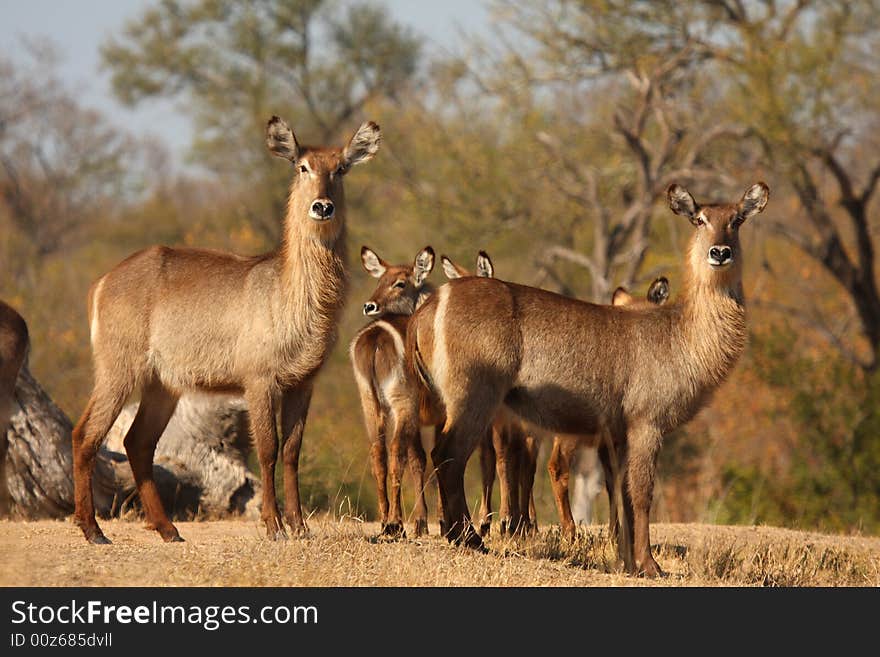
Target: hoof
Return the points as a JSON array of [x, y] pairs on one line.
[[393, 530], [277, 535], [298, 528], [98, 539], [470, 539], [420, 528], [650, 569], [301, 532], [485, 528], [175, 539]]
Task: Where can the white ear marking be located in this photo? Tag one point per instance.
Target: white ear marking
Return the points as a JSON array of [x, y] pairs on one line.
[[449, 268], [280, 139], [363, 144], [374, 265], [423, 265]]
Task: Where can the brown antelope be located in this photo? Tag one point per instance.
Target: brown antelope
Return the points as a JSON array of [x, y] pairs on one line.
[[166, 321], [562, 457], [572, 366], [14, 345], [377, 359]]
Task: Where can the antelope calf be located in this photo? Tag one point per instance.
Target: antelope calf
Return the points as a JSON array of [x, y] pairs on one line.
[[574, 367], [14, 345], [565, 448], [166, 321], [376, 354], [386, 386]]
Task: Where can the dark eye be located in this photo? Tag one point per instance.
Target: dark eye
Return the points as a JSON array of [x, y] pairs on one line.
[[698, 221], [399, 284], [303, 168], [341, 170]]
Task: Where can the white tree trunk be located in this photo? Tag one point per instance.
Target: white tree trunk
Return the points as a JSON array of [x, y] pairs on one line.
[[587, 482], [200, 465]]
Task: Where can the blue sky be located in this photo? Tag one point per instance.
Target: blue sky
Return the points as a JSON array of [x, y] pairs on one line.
[[78, 27]]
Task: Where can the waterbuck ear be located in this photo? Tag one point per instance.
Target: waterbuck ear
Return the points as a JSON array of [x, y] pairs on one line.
[[374, 265], [753, 201], [485, 268], [621, 297], [658, 293], [681, 202], [363, 144], [452, 270], [423, 265], [281, 140]]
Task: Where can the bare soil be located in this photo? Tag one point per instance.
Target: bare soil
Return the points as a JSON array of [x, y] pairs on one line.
[[347, 553]]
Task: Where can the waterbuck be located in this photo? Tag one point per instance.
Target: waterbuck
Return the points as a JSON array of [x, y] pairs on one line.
[[376, 354], [166, 321], [14, 345], [576, 367]]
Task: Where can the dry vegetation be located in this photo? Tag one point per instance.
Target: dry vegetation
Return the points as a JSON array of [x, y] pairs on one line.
[[345, 553]]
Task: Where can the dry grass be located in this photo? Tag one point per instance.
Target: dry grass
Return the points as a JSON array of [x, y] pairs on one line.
[[345, 553]]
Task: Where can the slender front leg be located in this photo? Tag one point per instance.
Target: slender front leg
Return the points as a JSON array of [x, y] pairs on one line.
[[559, 467], [441, 518], [487, 470], [418, 461], [528, 466], [643, 445], [507, 467], [294, 409], [264, 433]]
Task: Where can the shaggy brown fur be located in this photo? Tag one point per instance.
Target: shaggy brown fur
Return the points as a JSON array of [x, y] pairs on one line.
[[576, 367], [565, 447], [168, 321]]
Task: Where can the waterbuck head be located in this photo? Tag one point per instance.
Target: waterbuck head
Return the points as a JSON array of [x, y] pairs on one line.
[[316, 193], [658, 294], [400, 287], [714, 254], [485, 268]]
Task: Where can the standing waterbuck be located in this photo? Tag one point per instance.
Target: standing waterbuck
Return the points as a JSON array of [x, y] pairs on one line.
[[14, 345], [576, 367], [376, 354], [167, 321]]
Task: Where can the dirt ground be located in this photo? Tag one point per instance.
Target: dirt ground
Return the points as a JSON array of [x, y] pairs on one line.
[[346, 553]]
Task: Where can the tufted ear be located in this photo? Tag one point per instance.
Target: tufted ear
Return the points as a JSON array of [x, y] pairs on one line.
[[753, 201], [423, 265], [621, 297], [658, 293], [681, 202], [281, 140], [363, 145], [373, 263], [452, 270], [485, 268]]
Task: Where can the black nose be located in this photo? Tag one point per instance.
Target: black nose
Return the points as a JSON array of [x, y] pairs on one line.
[[323, 208], [370, 308], [720, 254]]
